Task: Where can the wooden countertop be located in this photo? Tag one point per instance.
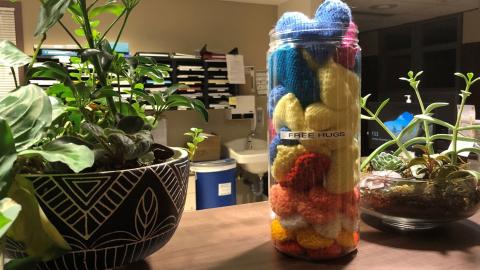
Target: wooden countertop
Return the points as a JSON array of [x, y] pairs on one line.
[[238, 238]]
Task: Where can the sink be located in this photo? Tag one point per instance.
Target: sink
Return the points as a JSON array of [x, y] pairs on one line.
[[253, 160]]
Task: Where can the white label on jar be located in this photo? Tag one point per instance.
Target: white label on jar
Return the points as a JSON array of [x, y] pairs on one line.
[[224, 189], [312, 135]]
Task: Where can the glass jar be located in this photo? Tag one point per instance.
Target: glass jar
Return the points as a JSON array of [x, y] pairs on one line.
[[314, 122]]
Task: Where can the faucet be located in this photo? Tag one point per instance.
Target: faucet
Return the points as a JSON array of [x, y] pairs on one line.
[[249, 145]]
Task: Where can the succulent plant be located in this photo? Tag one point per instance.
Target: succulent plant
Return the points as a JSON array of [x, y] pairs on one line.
[[387, 162]]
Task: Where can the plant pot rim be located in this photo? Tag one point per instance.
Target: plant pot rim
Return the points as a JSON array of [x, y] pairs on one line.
[[180, 154]]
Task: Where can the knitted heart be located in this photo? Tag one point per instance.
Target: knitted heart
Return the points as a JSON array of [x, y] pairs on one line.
[[296, 25], [282, 201], [285, 160], [274, 96], [289, 113], [347, 53], [293, 73], [309, 170], [316, 214], [333, 13]]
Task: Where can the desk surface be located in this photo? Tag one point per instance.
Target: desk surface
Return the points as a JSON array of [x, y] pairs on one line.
[[238, 238]]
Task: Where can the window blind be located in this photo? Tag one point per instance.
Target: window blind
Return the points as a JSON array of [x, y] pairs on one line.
[[7, 32]]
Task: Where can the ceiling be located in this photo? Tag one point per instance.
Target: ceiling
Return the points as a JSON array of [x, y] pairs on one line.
[[402, 11]]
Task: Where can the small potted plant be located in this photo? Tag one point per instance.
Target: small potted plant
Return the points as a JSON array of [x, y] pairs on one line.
[[79, 160], [411, 191]]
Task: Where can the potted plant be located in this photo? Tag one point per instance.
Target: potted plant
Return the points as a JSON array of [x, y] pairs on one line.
[[415, 192], [94, 189]]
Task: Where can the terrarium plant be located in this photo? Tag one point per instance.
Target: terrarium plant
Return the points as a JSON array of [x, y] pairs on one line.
[[197, 137], [79, 157], [411, 185]]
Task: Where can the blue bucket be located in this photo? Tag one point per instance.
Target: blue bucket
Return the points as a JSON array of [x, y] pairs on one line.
[[215, 183]]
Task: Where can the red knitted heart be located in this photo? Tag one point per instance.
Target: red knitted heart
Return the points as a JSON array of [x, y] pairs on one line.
[[309, 171]]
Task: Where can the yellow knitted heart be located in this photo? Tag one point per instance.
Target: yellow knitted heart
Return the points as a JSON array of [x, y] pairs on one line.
[[289, 113], [344, 174], [286, 157]]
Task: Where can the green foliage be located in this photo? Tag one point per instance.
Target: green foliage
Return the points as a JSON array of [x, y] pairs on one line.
[[50, 12], [76, 157], [8, 155], [430, 165], [386, 161], [80, 124], [28, 112], [11, 56], [196, 139], [32, 228], [9, 211]]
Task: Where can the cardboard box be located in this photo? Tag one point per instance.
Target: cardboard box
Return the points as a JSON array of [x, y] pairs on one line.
[[209, 149]]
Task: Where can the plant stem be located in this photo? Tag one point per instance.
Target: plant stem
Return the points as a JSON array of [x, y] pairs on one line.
[[37, 50], [425, 124], [457, 124], [121, 30], [71, 35], [394, 138], [92, 5], [119, 93], [111, 25], [14, 77], [91, 42]]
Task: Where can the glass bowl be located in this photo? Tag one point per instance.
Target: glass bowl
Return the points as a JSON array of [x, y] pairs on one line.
[[411, 205]]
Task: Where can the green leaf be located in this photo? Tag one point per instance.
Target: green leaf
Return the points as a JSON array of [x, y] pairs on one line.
[[449, 137], [49, 70], [380, 108], [376, 152], [60, 90], [126, 108], [363, 100], [26, 263], [51, 11], [79, 32], [32, 227], [131, 124], [150, 72], [8, 156], [368, 118], [473, 127], [106, 91], [9, 211], [110, 7], [434, 106], [435, 121], [28, 112], [58, 108], [76, 157], [11, 56], [132, 147]]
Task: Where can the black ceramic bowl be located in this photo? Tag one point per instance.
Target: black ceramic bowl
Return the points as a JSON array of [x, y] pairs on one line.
[[112, 218]]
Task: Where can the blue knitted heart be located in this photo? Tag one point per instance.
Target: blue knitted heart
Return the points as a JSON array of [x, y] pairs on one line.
[[296, 25], [278, 141], [292, 72], [334, 15], [274, 96]]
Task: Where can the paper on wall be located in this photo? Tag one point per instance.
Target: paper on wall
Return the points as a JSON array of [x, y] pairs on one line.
[[236, 69]]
